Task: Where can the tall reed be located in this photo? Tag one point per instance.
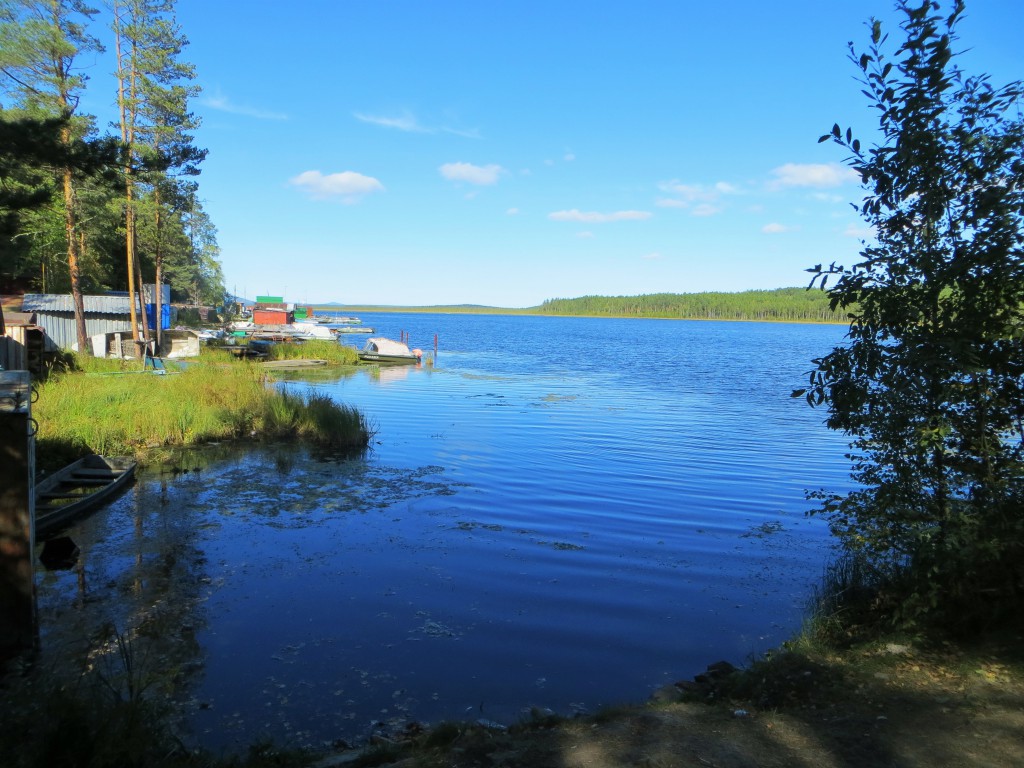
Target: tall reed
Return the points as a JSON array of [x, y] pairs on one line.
[[317, 349], [118, 411]]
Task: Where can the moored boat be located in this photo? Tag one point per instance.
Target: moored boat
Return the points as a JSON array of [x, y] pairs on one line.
[[381, 350], [77, 489]]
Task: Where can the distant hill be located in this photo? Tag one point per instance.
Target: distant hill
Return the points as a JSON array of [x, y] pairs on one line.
[[781, 304]]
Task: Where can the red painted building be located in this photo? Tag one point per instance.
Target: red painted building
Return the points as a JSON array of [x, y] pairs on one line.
[[267, 316]]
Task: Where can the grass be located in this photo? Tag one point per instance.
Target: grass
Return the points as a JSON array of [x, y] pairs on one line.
[[841, 606], [104, 718], [112, 407], [315, 349]]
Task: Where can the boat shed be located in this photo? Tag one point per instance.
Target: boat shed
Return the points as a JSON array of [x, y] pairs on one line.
[[111, 313], [56, 314], [272, 316]]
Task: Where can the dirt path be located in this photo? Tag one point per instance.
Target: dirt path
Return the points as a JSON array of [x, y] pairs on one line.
[[888, 705]]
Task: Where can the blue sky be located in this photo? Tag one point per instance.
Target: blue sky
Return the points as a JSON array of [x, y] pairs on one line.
[[502, 153]]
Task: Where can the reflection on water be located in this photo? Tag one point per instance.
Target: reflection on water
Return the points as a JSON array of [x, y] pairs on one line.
[[563, 531], [387, 374], [139, 580]]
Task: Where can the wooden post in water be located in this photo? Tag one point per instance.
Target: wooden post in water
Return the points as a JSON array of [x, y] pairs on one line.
[[435, 347], [17, 475]]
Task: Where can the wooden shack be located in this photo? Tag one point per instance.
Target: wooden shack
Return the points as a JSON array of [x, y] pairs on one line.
[[272, 316]]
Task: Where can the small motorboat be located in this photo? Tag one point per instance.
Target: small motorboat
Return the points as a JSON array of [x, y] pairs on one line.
[[77, 489], [387, 351]]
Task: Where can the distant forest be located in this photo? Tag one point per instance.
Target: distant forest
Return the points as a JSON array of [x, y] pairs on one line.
[[796, 304]]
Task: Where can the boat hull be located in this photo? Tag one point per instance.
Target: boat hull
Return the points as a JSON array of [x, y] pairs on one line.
[[387, 351], [79, 488], [377, 357]]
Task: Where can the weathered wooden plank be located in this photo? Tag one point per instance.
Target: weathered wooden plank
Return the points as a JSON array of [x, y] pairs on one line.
[[17, 469], [87, 482], [107, 474]]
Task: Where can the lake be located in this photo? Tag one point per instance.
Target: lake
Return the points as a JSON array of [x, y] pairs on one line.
[[562, 513]]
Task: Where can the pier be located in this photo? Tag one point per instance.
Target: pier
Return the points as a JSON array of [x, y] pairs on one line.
[[17, 471]]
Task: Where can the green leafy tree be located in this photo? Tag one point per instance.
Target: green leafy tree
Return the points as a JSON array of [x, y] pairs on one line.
[[196, 274], [39, 43], [930, 386], [154, 88], [33, 236], [26, 148]]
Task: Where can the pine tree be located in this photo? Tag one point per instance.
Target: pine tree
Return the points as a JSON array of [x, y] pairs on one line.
[[154, 89], [39, 43]]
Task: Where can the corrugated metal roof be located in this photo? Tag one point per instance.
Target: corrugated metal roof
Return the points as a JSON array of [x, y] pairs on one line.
[[49, 302], [61, 330]]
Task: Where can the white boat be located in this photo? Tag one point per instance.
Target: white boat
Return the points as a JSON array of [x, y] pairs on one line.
[[312, 331], [381, 350], [337, 320]]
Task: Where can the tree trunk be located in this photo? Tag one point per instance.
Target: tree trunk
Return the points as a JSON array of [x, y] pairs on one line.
[[129, 224], [128, 138], [158, 258], [146, 338], [73, 266]]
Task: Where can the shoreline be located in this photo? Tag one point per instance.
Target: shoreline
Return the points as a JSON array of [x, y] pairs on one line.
[[511, 312]]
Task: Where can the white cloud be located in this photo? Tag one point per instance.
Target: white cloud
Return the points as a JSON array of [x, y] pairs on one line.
[[348, 186], [408, 123], [473, 174], [818, 175], [466, 133], [671, 202], [700, 199], [512, 212], [775, 228], [223, 104], [655, 256], [688, 193], [706, 209], [569, 157], [598, 218], [405, 122], [586, 235]]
